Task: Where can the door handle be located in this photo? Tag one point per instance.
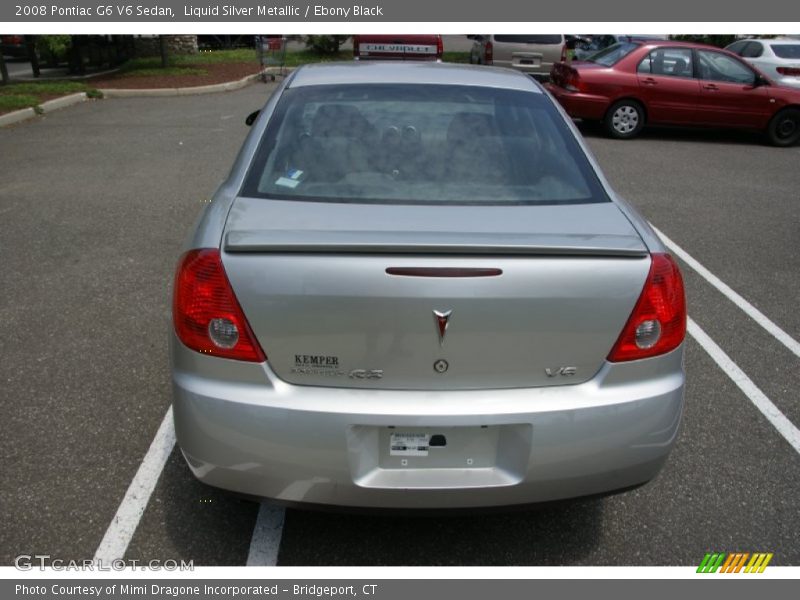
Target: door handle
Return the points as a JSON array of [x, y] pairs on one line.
[[649, 81], [711, 87]]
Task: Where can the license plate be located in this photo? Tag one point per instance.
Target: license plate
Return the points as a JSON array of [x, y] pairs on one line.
[[409, 444]]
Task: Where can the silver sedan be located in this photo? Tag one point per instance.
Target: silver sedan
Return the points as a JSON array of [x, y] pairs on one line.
[[417, 290], [777, 58]]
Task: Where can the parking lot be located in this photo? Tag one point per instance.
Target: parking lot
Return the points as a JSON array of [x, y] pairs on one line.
[[95, 202]]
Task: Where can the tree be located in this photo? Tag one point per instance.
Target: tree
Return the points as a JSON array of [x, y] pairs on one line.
[[30, 45], [3, 70], [162, 42], [718, 40], [325, 44]]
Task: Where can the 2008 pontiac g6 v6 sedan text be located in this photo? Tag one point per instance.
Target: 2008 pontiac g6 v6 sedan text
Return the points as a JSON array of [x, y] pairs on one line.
[[416, 290]]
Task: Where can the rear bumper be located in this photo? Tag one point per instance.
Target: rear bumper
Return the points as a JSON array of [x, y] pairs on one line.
[[793, 82], [540, 72], [241, 428], [578, 104]]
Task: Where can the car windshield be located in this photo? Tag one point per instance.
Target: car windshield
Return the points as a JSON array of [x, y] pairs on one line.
[[786, 50], [613, 54], [420, 144]]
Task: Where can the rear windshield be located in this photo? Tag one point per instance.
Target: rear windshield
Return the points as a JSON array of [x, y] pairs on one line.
[[420, 144], [613, 54], [786, 50], [529, 39]]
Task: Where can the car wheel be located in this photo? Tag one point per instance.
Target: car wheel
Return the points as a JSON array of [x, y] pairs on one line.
[[784, 128], [624, 119]]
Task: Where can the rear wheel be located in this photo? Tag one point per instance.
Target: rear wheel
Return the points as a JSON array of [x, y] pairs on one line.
[[624, 119], [784, 128]]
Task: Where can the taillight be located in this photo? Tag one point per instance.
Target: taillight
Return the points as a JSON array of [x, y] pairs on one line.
[[572, 80], [356, 50], [488, 53], [439, 47], [205, 312], [791, 71], [657, 324], [564, 53]]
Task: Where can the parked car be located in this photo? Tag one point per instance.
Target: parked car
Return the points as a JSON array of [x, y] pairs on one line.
[[631, 84], [777, 58], [416, 290], [534, 54], [587, 47], [398, 47], [13, 45]]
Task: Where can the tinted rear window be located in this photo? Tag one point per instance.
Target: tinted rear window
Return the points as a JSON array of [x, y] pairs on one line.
[[529, 39], [786, 50], [420, 144]]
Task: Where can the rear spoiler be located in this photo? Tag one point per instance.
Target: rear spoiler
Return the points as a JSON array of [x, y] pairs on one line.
[[431, 242]]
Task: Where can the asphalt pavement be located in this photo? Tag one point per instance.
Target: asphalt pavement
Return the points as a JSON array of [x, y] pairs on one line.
[[95, 201]]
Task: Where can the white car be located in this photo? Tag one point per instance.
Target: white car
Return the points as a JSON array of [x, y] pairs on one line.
[[779, 59]]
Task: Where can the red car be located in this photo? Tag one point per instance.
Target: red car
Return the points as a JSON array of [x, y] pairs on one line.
[[675, 83]]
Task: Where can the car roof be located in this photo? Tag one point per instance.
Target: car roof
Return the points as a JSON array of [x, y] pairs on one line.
[[769, 40], [676, 44], [424, 72]]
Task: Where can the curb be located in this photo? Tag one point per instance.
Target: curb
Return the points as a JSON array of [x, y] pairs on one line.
[[51, 105], [16, 116], [187, 91], [62, 102], [44, 107]]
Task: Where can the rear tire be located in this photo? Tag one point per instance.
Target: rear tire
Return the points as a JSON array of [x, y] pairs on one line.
[[784, 128], [624, 120]]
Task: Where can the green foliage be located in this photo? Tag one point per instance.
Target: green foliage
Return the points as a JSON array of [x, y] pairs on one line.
[[325, 44], [456, 57], [45, 88], [56, 45], [151, 65], [302, 57], [10, 102], [23, 95], [718, 40], [160, 71], [188, 60]]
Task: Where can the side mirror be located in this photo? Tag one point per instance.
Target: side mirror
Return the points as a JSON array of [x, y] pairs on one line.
[[251, 118], [760, 81]]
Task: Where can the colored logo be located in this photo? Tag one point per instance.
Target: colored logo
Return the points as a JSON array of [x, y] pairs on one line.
[[442, 318], [735, 562]]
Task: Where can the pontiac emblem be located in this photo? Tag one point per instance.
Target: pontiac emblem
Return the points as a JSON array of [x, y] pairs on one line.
[[442, 319]]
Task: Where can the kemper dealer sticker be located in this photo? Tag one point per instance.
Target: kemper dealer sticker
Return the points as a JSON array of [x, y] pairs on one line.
[[409, 444]]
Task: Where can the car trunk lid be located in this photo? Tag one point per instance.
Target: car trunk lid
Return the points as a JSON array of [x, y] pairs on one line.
[[433, 297]]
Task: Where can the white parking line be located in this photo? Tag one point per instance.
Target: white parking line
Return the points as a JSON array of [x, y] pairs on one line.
[[266, 540], [755, 314], [744, 383], [124, 524]]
